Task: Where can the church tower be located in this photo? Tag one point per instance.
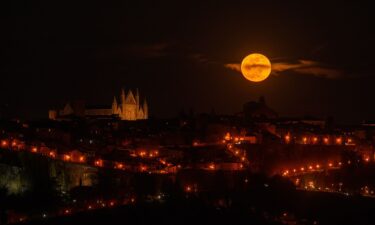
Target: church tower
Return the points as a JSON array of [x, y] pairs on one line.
[[114, 106], [130, 107], [145, 109], [122, 96], [137, 99], [122, 106]]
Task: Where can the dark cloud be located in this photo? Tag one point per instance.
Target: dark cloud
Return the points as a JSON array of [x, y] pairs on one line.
[[198, 57], [149, 50]]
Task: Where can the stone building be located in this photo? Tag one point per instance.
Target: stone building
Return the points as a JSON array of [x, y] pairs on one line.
[[129, 107]]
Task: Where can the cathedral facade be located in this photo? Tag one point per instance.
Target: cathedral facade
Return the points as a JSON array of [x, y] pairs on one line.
[[129, 107]]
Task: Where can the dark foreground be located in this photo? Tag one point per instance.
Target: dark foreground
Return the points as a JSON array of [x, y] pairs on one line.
[[298, 208]]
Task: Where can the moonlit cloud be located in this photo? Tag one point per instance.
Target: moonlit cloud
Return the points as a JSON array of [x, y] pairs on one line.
[[234, 66], [305, 67]]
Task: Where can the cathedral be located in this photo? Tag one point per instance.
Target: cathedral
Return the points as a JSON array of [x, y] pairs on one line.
[[129, 107]]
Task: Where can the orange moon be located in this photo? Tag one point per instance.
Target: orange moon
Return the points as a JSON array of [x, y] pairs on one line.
[[256, 67]]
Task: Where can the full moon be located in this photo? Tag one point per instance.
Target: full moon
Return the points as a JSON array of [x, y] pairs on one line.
[[256, 67]]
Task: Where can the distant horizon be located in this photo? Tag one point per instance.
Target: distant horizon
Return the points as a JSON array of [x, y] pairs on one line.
[[40, 116]]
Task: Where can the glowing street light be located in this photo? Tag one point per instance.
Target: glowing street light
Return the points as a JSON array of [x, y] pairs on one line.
[[67, 157], [99, 162], [52, 154], [227, 136], [287, 138], [4, 143], [119, 166]]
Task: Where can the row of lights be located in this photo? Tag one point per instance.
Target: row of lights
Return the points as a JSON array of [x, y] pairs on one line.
[[12, 144], [364, 191], [149, 154], [34, 149], [82, 159], [228, 137], [310, 167], [117, 165], [315, 140], [330, 165]]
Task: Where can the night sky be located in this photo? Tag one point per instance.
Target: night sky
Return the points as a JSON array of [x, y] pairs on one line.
[[177, 54]]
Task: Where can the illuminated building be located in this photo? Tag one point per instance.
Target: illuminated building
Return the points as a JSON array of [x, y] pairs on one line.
[[129, 108]]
